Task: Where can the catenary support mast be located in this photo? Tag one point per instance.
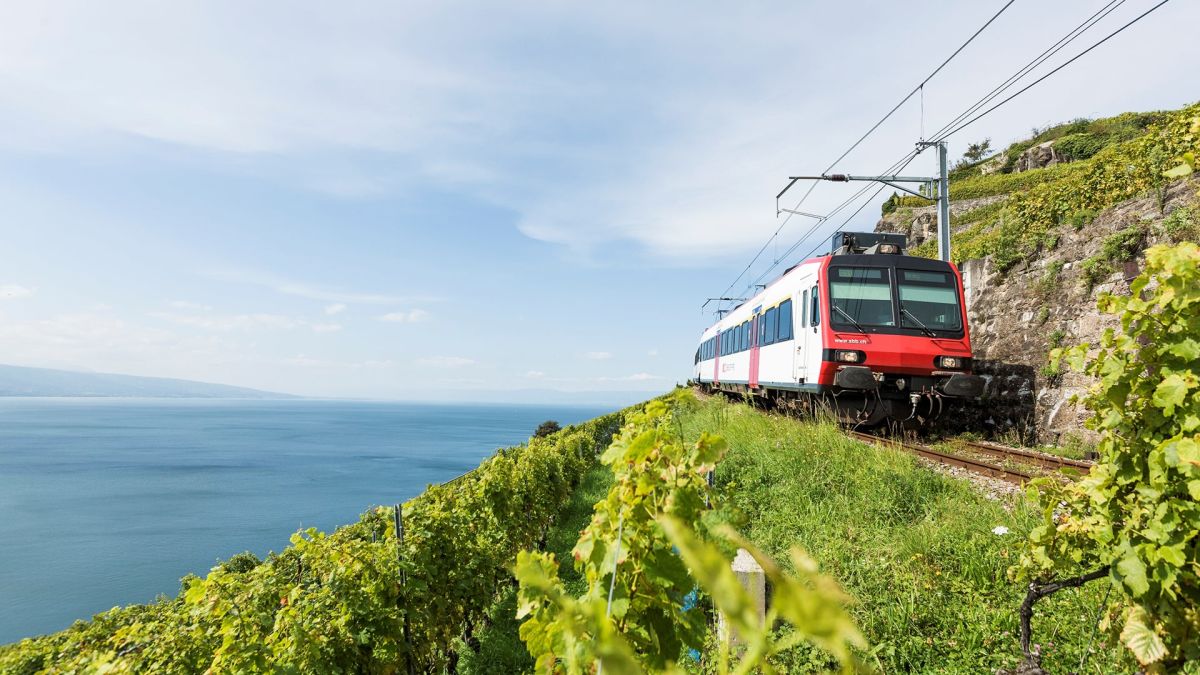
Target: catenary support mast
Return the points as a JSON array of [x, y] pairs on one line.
[[937, 185]]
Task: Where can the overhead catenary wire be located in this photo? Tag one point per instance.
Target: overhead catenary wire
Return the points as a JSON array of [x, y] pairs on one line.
[[954, 125], [919, 88], [1066, 63], [1038, 60]]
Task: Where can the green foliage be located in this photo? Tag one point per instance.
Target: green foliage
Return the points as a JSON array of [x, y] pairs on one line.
[[1137, 513], [977, 151], [240, 563], [897, 201], [1182, 224], [356, 600], [1080, 146], [1121, 246], [1081, 217], [547, 428], [1147, 152], [645, 550]]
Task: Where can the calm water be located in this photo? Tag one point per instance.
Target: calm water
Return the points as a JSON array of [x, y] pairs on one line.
[[110, 502]]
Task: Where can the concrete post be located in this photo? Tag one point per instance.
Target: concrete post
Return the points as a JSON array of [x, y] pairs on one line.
[[752, 578]]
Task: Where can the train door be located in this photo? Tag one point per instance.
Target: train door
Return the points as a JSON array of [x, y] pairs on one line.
[[717, 357], [754, 349], [799, 329], [812, 330]]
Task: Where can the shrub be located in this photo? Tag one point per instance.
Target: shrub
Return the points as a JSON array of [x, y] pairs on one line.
[[241, 563], [1080, 146], [546, 428], [1183, 224], [1135, 519]]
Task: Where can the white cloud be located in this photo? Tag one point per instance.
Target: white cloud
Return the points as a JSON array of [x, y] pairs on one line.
[[335, 308], [535, 374], [445, 361], [309, 291], [652, 352], [636, 377], [682, 159], [230, 322], [325, 327], [597, 356], [188, 305], [14, 291], [412, 316]]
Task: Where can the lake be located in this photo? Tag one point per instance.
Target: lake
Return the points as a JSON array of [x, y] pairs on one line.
[[107, 502]]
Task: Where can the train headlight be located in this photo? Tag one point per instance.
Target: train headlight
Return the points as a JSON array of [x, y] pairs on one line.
[[849, 356], [950, 362]]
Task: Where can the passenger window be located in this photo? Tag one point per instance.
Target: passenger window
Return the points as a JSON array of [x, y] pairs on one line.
[[762, 330], [746, 335], [771, 327], [785, 320], [803, 314], [816, 308]]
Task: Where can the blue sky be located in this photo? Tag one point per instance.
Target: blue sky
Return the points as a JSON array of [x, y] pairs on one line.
[[458, 200]]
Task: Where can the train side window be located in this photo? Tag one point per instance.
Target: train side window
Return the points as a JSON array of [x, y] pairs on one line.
[[803, 314], [746, 335], [785, 320], [772, 315], [816, 308], [762, 330]]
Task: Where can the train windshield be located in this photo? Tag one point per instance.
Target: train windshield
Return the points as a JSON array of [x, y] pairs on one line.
[[861, 296], [929, 300]]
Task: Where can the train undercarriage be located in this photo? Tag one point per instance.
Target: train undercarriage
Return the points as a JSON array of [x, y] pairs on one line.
[[868, 400]]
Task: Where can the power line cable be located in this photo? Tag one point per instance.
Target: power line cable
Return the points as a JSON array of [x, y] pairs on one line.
[[1050, 51], [1043, 77], [853, 146], [942, 134]]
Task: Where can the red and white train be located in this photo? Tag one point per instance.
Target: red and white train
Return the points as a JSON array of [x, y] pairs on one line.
[[872, 333]]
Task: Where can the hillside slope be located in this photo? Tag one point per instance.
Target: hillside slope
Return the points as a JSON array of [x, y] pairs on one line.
[[22, 381], [1040, 231]]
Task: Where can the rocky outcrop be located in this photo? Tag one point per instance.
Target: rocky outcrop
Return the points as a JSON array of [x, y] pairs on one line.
[[1038, 157], [1019, 315], [993, 165]]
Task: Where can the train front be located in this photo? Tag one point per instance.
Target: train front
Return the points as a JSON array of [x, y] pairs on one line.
[[897, 344]]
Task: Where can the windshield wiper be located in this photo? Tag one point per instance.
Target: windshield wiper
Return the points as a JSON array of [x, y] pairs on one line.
[[845, 314], [917, 321]]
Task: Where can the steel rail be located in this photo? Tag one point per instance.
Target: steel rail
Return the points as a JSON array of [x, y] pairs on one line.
[[1020, 455], [1010, 475]]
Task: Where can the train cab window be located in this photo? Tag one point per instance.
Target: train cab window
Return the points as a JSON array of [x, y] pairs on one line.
[[785, 321], [815, 318], [803, 313], [860, 297], [929, 299], [772, 315]]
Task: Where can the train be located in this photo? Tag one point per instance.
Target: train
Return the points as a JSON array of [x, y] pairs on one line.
[[867, 331]]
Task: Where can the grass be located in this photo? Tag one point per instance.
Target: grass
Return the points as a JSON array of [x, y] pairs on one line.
[[500, 648], [914, 547]]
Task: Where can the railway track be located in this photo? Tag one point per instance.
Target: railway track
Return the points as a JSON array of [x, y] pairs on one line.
[[1005, 471], [1041, 460]]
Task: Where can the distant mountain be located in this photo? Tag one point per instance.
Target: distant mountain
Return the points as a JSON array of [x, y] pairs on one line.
[[21, 381]]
